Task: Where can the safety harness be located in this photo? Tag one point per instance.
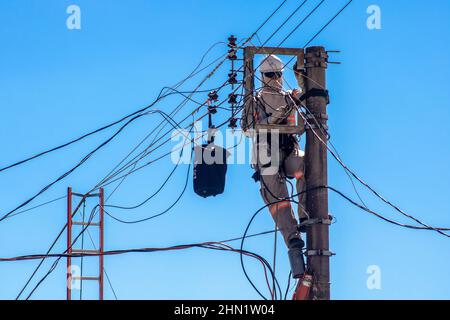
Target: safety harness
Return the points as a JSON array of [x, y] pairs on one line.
[[287, 142]]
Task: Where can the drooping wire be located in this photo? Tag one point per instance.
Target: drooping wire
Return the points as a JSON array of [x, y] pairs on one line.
[[328, 23], [155, 215], [37, 206], [67, 173], [283, 2]]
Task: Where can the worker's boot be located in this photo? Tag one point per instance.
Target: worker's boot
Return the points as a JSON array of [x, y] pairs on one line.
[[296, 258]]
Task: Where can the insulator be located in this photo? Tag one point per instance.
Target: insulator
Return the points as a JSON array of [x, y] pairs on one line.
[[232, 41], [233, 123], [232, 78], [232, 98], [232, 54], [213, 96], [212, 109]]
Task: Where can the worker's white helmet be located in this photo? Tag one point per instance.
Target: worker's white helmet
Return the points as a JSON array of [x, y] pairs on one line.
[[272, 63]]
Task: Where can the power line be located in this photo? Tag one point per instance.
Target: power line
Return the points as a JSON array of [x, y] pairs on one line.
[[137, 112], [328, 23], [159, 97], [337, 158], [55, 263], [37, 206], [249, 39], [83, 136], [104, 270], [78, 164], [49, 250], [155, 215]]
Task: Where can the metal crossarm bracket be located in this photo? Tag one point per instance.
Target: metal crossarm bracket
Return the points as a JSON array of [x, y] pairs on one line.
[[90, 195], [86, 252], [311, 222], [78, 223], [86, 278], [322, 253]]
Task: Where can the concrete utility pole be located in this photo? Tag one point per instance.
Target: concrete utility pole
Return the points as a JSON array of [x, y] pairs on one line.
[[316, 168]]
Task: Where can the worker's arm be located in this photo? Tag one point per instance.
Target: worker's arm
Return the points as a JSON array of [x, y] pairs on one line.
[[300, 77], [297, 110]]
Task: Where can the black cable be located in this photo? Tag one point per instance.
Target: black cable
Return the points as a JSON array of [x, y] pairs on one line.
[[285, 21], [104, 270], [337, 158], [267, 19], [328, 23], [289, 35], [55, 263], [265, 22], [63, 255], [155, 193], [315, 36], [288, 285], [48, 251], [384, 218], [155, 148], [67, 173], [160, 96], [41, 262], [301, 22], [253, 217], [241, 46], [156, 215], [245, 236], [37, 206], [149, 197], [161, 187], [335, 154], [249, 39]]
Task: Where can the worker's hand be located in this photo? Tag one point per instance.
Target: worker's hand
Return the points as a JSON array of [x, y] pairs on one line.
[[278, 115], [300, 77]]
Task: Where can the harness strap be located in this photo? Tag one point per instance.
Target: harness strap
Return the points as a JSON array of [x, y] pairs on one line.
[[316, 93]]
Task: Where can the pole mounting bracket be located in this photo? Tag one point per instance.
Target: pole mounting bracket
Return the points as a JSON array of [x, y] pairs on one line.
[[311, 222], [319, 253]]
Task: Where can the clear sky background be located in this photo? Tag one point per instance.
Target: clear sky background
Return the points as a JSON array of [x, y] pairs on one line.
[[389, 120]]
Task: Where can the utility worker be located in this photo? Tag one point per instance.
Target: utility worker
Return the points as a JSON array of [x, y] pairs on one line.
[[280, 159]]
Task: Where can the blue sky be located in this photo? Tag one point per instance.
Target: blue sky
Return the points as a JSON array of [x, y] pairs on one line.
[[389, 120]]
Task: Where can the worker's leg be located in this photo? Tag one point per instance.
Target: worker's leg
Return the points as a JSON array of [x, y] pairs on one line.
[[295, 168], [273, 188]]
